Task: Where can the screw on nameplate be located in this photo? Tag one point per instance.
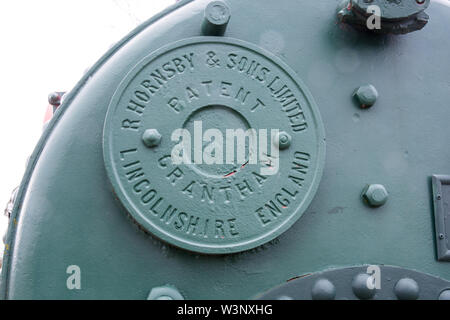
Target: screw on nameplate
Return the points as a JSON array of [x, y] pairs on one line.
[[283, 140], [151, 138]]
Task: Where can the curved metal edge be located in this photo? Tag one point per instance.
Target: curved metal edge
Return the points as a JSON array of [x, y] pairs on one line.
[[4, 278], [304, 282]]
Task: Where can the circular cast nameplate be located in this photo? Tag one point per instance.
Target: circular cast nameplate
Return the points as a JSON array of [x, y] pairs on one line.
[[210, 87]]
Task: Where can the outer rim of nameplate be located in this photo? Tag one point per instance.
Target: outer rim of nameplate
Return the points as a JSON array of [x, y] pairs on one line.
[[187, 244]]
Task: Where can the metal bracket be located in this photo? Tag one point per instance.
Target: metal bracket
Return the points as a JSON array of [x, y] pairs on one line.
[[441, 201]]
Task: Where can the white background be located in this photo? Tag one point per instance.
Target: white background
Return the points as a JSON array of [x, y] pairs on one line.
[[46, 46]]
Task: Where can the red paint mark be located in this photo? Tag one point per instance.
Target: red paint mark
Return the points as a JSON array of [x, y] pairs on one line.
[[230, 174], [48, 114]]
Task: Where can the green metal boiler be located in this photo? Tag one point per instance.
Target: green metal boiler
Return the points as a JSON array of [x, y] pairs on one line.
[[334, 182]]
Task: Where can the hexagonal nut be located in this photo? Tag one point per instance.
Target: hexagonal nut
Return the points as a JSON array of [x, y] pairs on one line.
[[151, 138], [165, 293], [375, 195], [366, 96]]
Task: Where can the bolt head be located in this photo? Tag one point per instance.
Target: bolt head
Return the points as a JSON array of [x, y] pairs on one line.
[[151, 138], [217, 16], [366, 96], [165, 293], [284, 298], [445, 295], [406, 289], [323, 289], [217, 13], [54, 99], [360, 287], [283, 140], [375, 195]]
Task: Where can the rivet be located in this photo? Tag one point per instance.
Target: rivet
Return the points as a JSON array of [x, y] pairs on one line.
[[375, 195], [151, 138], [217, 16], [406, 289], [323, 289], [360, 287], [283, 140], [366, 96], [438, 197], [165, 293], [441, 236], [445, 295]]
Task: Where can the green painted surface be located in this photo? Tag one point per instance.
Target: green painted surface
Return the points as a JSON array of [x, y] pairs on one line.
[[68, 215]]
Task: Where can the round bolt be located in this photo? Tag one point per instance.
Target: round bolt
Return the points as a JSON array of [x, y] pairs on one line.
[[217, 16], [54, 99], [441, 236], [375, 195], [406, 289], [323, 289], [283, 140], [445, 295], [151, 138], [366, 96], [165, 293], [360, 286], [420, 1], [438, 197]]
